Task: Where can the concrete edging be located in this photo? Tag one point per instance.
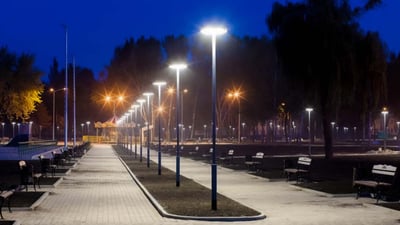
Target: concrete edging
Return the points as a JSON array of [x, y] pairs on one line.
[[164, 213]]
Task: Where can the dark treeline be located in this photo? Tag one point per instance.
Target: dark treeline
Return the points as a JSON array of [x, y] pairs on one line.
[[318, 56]]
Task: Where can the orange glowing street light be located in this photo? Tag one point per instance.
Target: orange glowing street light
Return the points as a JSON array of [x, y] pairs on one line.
[[236, 95], [118, 99]]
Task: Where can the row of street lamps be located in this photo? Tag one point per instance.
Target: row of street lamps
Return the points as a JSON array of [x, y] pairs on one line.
[[213, 32]]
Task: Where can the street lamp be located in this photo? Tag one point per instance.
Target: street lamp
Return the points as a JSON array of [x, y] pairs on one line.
[[2, 131], [205, 131], [213, 32], [54, 107], [18, 125], [115, 100], [333, 130], [159, 84], [148, 95], [140, 101], [177, 67], [135, 107], [235, 95], [87, 124], [309, 110], [398, 129], [82, 125], [384, 113]]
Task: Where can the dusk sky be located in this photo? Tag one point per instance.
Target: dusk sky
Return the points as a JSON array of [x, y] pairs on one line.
[[97, 27]]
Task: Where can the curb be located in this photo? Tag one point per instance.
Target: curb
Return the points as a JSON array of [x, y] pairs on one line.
[[324, 194], [161, 210]]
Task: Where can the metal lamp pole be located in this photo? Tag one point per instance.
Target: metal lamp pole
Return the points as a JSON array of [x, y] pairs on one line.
[[384, 113], [309, 110], [159, 84], [177, 67], [213, 32], [148, 95], [140, 101]]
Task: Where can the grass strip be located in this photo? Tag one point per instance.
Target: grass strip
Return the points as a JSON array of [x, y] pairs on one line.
[[190, 199]]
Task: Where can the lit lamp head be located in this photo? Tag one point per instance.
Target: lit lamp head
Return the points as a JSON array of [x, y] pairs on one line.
[[213, 30], [159, 83], [309, 109], [178, 66]]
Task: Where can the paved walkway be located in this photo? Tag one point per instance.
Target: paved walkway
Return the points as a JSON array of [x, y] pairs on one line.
[[100, 191]]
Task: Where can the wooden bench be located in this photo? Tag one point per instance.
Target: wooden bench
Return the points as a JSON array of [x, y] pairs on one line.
[[5, 196], [301, 171], [228, 158], [383, 177], [254, 163]]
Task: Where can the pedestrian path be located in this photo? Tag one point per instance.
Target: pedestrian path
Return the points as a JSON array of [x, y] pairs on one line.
[[283, 203], [100, 191]]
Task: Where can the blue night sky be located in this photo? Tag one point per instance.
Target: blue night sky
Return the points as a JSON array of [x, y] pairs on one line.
[[97, 27]]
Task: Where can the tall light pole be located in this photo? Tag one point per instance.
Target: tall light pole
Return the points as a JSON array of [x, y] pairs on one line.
[[159, 84], [135, 107], [66, 91], [236, 96], [140, 101], [2, 131], [309, 110], [82, 125], [87, 124], [384, 113], [148, 95], [177, 67], [214, 32], [333, 130], [54, 107]]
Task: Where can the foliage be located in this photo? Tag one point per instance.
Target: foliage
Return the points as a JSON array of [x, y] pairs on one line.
[[20, 85], [318, 43]]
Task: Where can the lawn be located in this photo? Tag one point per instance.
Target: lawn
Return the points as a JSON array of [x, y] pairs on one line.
[[190, 199]]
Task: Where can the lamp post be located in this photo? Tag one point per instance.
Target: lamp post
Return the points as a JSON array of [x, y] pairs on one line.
[[66, 91], [205, 131], [87, 124], [54, 108], [2, 131], [236, 96], [18, 125], [159, 84], [148, 95], [135, 107], [213, 32], [177, 67], [309, 110], [333, 130], [140, 101], [398, 129], [82, 125], [384, 113]]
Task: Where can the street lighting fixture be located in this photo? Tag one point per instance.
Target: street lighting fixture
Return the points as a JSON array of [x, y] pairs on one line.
[[52, 90], [159, 84], [384, 113], [177, 67], [214, 32], [141, 101], [236, 95], [135, 107], [87, 124], [148, 95], [309, 110]]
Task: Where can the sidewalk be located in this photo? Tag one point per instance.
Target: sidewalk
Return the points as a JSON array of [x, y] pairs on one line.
[[100, 191], [283, 203]]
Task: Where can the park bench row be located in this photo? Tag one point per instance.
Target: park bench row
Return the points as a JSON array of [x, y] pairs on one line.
[[380, 179], [31, 176]]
